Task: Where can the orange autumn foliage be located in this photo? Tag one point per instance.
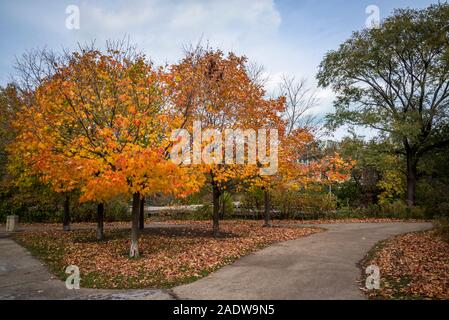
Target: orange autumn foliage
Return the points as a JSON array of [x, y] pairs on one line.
[[99, 125]]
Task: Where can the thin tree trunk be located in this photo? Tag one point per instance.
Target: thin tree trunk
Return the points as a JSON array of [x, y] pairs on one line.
[[66, 214], [411, 179], [100, 221], [142, 214], [134, 249], [216, 210], [223, 208], [266, 196]]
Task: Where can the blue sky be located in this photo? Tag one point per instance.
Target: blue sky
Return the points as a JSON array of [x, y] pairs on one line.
[[286, 36]]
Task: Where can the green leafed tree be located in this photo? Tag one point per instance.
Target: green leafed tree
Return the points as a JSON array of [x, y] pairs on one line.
[[395, 79]]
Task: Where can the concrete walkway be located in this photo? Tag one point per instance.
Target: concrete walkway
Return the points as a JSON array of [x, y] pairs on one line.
[[320, 266], [24, 277]]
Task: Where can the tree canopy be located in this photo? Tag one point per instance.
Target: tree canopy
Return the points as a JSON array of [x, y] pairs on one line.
[[395, 80]]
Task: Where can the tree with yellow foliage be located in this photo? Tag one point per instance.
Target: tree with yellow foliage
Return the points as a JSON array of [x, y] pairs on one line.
[[100, 124], [215, 91]]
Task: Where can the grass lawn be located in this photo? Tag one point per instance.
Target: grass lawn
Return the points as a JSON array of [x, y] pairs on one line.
[[412, 266], [169, 256]]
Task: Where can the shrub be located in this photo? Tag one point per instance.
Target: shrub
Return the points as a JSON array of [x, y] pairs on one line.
[[304, 203], [30, 207], [442, 227], [49, 209], [432, 196], [116, 209], [443, 209], [203, 212], [398, 209], [226, 205], [253, 198]]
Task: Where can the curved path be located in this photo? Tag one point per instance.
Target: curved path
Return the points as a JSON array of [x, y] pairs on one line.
[[320, 266], [24, 277]]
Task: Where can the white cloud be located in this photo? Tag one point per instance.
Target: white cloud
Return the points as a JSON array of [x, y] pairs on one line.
[[326, 98], [162, 27]]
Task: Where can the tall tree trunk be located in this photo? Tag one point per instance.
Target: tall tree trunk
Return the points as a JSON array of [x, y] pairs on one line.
[[411, 179], [100, 221], [266, 196], [134, 249], [66, 214], [142, 213], [216, 209], [223, 206]]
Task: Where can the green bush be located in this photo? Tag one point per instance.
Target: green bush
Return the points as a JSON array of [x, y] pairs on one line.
[[201, 213], [116, 209], [48, 208], [442, 227], [443, 209], [433, 196], [36, 206], [204, 195], [252, 198], [398, 209], [293, 203], [227, 205], [347, 192]]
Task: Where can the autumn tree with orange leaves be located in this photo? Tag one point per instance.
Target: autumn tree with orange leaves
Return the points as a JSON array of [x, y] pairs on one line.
[[215, 90], [298, 169], [100, 124], [219, 92]]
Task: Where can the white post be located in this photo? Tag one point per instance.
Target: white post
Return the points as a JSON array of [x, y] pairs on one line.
[[12, 222]]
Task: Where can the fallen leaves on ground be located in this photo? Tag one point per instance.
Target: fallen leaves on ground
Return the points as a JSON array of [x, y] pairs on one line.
[[354, 220], [170, 255], [412, 266], [155, 220], [296, 222]]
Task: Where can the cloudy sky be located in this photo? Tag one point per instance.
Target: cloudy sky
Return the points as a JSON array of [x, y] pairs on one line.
[[285, 36]]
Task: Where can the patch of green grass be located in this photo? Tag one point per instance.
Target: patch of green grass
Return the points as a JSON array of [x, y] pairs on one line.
[[51, 255], [93, 280], [396, 286]]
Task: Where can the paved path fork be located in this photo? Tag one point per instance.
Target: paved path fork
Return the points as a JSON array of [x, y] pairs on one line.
[[320, 266]]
